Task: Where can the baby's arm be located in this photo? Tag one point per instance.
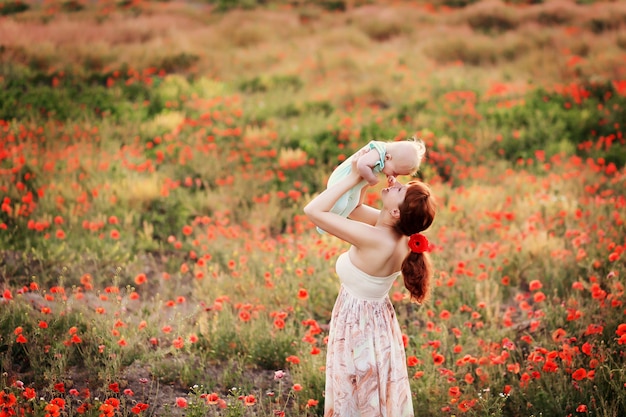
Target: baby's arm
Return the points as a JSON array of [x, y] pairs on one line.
[[365, 166]]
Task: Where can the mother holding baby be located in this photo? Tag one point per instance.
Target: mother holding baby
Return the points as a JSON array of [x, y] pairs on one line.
[[366, 371]]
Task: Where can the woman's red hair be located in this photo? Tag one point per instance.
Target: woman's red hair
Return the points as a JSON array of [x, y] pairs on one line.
[[417, 213]]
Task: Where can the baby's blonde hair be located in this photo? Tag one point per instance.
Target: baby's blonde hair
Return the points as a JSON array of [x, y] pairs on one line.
[[420, 151]]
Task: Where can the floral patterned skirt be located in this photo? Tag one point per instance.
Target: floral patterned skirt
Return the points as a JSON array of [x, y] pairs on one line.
[[366, 373]]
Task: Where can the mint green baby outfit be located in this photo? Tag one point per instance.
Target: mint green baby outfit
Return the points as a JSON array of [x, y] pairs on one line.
[[350, 199]]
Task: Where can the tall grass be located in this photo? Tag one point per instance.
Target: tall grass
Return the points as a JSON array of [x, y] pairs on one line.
[[155, 258]]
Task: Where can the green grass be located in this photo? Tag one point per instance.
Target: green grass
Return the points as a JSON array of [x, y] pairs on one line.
[[153, 181]]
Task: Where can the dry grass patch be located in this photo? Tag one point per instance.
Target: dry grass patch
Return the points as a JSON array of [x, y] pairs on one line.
[[477, 49], [604, 17], [383, 23], [244, 29], [344, 35], [488, 16], [620, 39], [556, 12]]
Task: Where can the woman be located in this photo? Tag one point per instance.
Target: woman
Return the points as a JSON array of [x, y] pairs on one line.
[[366, 373]]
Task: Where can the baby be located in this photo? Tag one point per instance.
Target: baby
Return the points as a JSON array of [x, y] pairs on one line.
[[392, 158]]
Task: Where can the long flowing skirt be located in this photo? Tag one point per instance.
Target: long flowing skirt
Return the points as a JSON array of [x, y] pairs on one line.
[[366, 373]]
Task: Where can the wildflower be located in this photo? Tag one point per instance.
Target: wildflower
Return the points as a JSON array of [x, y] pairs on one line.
[[579, 374], [141, 279], [52, 410], [297, 387], [535, 285], [412, 361], [293, 359], [438, 358], [467, 405], [454, 392], [311, 403], [405, 340], [539, 297], [7, 400], [181, 402], [139, 407], [594, 329], [558, 334], [303, 294], [107, 410], [249, 400], [582, 408], [212, 398], [178, 343]]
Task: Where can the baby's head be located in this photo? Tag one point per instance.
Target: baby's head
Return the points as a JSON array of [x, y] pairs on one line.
[[403, 157]]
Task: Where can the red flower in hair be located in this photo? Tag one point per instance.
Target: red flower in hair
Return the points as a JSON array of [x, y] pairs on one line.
[[418, 243]]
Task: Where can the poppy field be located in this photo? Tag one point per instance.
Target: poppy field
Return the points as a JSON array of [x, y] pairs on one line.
[[155, 158]]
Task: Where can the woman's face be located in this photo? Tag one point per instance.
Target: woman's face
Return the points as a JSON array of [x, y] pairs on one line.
[[394, 194]]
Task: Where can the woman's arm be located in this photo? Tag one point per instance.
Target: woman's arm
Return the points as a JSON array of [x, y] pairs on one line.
[[363, 212], [318, 211]]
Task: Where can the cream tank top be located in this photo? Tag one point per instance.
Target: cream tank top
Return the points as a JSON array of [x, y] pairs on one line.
[[362, 285]]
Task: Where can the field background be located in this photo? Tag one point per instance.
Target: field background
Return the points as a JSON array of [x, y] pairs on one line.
[[155, 158]]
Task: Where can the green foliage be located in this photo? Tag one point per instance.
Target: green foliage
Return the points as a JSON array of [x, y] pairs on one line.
[[178, 62], [71, 97], [411, 110], [72, 6], [332, 5], [205, 181], [563, 123], [10, 7], [226, 5], [261, 84], [269, 349], [457, 3]]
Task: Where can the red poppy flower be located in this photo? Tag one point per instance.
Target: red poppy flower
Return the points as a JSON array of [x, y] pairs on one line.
[[212, 398], [311, 403], [579, 374], [418, 243]]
